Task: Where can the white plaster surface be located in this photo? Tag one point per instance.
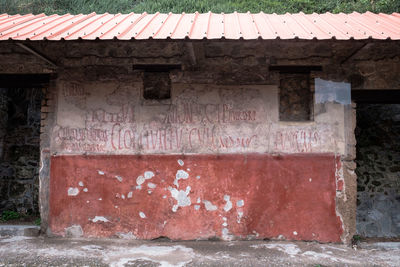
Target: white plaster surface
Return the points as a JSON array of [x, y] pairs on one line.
[[100, 219], [105, 119]]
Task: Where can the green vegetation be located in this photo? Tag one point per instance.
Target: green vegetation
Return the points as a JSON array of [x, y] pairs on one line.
[[178, 6], [9, 215]]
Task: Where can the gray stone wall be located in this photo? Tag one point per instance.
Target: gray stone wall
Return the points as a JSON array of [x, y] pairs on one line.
[[378, 170], [20, 159]]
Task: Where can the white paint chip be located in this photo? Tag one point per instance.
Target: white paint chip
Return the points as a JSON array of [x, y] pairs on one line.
[[225, 234], [225, 224], [142, 215], [182, 197], [198, 200], [99, 219], [180, 162], [196, 207], [228, 205], [240, 203], [123, 196], [198, 177], [148, 175], [180, 174], [73, 191], [85, 189], [119, 178], [151, 185], [295, 233], [140, 180], [310, 180], [209, 206], [80, 183], [239, 217], [130, 194], [100, 199], [164, 196], [87, 201], [100, 172]]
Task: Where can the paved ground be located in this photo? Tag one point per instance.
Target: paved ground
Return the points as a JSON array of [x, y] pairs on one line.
[[40, 251]]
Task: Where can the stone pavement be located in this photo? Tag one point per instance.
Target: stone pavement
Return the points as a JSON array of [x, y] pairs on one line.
[[42, 251]]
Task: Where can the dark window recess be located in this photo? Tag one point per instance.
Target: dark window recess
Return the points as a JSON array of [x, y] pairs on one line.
[[157, 85], [295, 97]]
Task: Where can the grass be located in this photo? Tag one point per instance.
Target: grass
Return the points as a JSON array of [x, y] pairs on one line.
[[13, 217], [9, 215], [178, 6]]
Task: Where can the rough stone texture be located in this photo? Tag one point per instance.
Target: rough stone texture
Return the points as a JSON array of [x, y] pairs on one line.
[[378, 170], [156, 85], [20, 160], [3, 118], [295, 98]]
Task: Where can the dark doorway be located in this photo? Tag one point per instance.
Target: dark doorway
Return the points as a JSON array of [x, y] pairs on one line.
[[378, 165], [20, 118]]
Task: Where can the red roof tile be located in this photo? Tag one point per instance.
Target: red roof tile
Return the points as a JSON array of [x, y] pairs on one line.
[[200, 26]]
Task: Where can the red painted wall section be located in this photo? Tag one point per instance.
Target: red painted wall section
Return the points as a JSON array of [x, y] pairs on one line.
[[197, 196]]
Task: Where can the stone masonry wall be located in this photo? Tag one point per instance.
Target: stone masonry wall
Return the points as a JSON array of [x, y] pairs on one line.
[[217, 63], [20, 161], [378, 170]]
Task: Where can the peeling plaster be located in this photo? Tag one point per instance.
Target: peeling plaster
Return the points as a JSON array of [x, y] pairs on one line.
[[151, 185], [240, 203], [182, 198], [180, 174], [140, 180], [225, 234], [148, 175], [73, 191], [239, 216], [99, 219], [128, 236], [228, 205], [209, 206]]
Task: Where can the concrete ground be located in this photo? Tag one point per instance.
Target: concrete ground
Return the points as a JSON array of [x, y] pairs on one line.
[[41, 251]]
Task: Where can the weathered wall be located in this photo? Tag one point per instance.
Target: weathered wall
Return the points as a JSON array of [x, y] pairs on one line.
[[20, 158], [92, 71], [378, 170], [219, 131]]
